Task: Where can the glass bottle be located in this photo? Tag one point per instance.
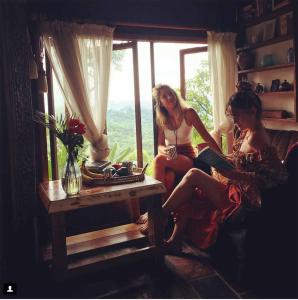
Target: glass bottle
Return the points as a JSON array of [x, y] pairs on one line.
[[71, 176]]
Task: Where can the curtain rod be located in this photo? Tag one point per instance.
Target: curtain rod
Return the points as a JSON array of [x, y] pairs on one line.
[[42, 17], [162, 26]]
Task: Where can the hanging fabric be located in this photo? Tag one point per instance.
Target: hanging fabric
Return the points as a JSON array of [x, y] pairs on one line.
[[80, 55]]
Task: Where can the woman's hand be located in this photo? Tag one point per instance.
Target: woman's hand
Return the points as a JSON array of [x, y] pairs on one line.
[[162, 150]]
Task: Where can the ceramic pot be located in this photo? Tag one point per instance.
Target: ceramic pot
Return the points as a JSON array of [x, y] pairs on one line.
[[245, 60]]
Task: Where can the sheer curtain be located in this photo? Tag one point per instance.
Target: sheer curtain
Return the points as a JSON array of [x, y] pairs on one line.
[[223, 76], [80, 56]]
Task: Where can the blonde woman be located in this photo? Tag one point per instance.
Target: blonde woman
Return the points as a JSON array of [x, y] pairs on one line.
[[175, 121]]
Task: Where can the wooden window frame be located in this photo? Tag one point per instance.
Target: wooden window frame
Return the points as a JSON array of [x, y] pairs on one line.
[[182, 53], [138, 121], [51, 111]]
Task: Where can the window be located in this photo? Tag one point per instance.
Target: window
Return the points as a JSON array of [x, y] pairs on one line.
[[195, 84], [136, 68]]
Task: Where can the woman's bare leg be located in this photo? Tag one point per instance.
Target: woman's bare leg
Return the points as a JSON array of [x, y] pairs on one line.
[[193, 179], [169, 183], [165, 171], [176, 237], [180, 165]]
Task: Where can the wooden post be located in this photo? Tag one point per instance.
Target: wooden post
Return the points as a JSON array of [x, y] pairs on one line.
[[59, 244], [155, 223], [155, 231]]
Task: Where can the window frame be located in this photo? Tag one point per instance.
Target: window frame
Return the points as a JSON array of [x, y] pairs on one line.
[[183, 53], [132, 44]]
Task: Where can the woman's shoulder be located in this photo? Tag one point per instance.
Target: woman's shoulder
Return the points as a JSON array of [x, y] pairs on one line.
[[260, 140], [189, 115]]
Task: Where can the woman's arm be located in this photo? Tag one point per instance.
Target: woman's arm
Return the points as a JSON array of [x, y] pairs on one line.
[[161, 141], [193, 119], [238, 175]]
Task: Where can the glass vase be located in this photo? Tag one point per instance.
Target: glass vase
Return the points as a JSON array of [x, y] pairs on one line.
[[71, 177]]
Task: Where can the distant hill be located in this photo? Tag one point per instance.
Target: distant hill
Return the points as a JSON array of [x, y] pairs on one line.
[[121, 126]]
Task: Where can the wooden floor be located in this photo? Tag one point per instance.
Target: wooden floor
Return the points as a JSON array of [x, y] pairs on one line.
[[187, 275]]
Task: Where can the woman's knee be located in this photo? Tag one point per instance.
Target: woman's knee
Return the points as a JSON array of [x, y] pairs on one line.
[[160, 161], [192, 176]]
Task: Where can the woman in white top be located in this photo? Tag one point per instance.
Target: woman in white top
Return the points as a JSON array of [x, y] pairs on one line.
[[175, 121]]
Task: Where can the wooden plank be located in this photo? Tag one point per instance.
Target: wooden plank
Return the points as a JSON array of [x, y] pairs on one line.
[[55, 199], [152, 65], [138, 119], [182, 75], [101, 262], [101, 233], [51, 110], [262, 69], [266, 43], [102, 239], [280, 93]]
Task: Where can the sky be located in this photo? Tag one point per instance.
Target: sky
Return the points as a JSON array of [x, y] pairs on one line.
[[167, 71]]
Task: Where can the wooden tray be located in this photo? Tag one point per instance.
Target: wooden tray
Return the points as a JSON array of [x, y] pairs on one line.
[[115, 180]]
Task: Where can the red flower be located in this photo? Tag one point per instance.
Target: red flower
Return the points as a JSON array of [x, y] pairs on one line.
[[75, 126]]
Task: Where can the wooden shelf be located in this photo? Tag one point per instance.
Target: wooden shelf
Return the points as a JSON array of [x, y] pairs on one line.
[[272, 15], [284, 120], [261, 69], [281, 93], [267, 43], [105, 238]]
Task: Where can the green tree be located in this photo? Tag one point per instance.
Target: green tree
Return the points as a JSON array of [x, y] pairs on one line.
[[198, 94], [117, 57]]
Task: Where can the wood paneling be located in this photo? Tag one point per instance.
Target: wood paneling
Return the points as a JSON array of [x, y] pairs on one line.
[[203, 14]]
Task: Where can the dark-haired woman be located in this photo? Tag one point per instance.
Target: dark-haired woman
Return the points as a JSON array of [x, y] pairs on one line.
[[200, 202], [175, 122]]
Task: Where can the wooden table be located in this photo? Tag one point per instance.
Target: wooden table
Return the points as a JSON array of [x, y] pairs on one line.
[[66, 253]]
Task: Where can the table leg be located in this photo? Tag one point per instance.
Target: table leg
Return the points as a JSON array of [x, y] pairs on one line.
[[155, 230], [134, 209], [59, 244]]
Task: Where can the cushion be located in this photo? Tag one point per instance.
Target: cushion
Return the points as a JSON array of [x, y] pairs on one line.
[[282, 140]]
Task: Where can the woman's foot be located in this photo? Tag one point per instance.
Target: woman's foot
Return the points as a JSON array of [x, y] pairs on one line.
[[143, 219], [145, 227], [173, 247]]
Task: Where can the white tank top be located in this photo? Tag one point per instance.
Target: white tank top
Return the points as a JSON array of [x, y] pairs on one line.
[[183, 133]]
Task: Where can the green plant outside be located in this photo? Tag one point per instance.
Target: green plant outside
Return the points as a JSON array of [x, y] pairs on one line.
[[198, 97]]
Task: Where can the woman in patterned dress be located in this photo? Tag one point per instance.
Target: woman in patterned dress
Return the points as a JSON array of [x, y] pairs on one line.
[[200, 202]]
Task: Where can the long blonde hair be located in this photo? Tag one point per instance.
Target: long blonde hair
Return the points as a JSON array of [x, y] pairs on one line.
[[162, 115]]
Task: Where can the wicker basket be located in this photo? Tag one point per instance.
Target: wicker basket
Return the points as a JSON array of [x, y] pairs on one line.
[[136, 177]]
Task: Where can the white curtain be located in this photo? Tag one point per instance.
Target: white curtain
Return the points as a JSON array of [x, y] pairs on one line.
[[223, 76], [80, 56]]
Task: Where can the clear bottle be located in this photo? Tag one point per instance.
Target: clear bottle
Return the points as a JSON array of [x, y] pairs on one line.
[[71, 177]]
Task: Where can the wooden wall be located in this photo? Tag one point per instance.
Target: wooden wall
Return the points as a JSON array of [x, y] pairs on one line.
[[18, 190], [204, 14]]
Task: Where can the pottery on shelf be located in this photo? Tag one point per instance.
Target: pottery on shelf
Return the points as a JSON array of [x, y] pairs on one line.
[[245, 60]]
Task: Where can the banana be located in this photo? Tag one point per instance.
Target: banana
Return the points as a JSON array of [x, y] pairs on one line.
[[85, 171], [87, 179]]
